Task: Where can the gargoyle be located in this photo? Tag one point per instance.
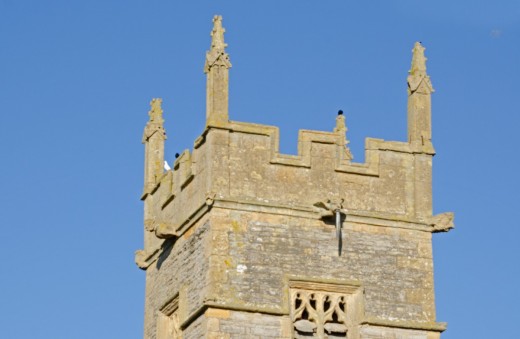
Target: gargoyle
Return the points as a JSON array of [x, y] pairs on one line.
[[442, 222]]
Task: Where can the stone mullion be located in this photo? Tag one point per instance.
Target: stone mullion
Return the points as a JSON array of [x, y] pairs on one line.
[[320, 330]]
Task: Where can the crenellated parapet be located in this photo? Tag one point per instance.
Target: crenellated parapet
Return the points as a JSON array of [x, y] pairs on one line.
[[240, 163]]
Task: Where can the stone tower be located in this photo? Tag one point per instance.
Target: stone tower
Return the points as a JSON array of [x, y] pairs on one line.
[[241, 241]]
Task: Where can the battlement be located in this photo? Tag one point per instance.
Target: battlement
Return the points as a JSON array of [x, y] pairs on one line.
[[238, 165]]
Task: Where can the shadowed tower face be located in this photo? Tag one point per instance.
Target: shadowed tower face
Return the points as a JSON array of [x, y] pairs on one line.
[[242, 241]]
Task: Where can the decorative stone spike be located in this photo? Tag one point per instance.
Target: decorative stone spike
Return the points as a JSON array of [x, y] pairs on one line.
[[156, 111], [217, 69], [217, 34], [153, 138], [419, 103], [418, 60], [418, 80]]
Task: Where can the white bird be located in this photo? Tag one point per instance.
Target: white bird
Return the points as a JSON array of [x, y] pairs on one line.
[[166, 166]]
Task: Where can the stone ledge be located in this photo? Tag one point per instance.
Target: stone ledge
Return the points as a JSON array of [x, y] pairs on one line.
[[353, 216], [165, 230], [168, 230], [371, 321], [412, 325], [144, 259]]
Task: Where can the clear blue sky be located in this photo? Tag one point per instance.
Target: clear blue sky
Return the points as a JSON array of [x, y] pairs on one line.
[[76, 78]]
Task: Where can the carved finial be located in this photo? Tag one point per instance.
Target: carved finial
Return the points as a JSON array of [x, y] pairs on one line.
[[418, 60], [217, 69], [419, 102], [217, 34], [418, 80], [217, 54], [156, 111]]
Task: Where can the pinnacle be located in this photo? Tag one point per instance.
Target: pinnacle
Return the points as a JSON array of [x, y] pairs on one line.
[[418, 60]]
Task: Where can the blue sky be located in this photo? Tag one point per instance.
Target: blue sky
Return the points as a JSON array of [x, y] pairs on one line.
[[76, 78]]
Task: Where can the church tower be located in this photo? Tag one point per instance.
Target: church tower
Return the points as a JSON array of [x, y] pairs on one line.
[[241, 241]]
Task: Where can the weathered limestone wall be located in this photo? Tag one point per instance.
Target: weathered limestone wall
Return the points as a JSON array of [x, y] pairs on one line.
[[378, 332], [243, 225], [197, 329], [182, 270], [258, 179], [254, 255], [235, 325]]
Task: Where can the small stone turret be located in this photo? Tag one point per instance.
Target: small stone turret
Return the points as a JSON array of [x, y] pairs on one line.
[[217, 70], [419, 102]]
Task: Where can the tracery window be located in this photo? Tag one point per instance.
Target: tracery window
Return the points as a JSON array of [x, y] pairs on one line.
[[320, 310]]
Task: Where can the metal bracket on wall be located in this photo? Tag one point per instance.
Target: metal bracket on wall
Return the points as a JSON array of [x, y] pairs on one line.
[[333, 208]]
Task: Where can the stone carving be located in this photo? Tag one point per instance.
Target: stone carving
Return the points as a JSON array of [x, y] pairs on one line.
[[155, 124], [217, 54], [341, 128], [417, 72], [442, 222], [419, 102], [150, 225], [210, 198], [217, 81], [329, 207], [318, 314], [144, 259], [217, 34], [156, 110]]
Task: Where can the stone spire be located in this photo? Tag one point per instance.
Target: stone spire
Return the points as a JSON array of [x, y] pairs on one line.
[[153, 139], [419, 102], [217, 70]]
